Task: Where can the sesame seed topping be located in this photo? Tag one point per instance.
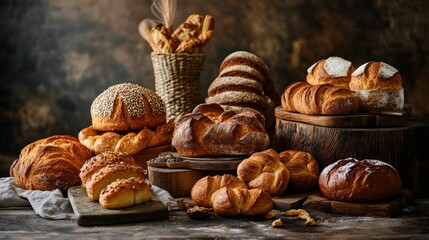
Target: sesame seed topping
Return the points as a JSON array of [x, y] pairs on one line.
[[132, 95]]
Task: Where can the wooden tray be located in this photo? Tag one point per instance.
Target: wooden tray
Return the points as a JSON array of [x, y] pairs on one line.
[[206, 163], [381, 119], [383, 209], [89, 213]]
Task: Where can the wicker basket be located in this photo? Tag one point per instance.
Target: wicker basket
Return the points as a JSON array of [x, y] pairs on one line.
[[177, 80]]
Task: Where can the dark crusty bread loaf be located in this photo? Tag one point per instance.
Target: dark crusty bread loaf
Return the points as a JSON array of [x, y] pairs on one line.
[[323, 99], [365, 181], [211, 131], [50, 163]]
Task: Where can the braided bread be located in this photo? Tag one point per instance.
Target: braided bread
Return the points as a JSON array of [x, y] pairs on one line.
[[229, 202], [264, 170], [130, 143], [50, 163], [211, 131], [322, 99], [303, 169], [204, 188]]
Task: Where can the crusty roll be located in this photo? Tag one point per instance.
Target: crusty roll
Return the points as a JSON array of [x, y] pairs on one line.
[[124, 193], [125, 107], [333, 70], [264, 170], [101, 160], [129, 142], [204, 188], [303, 169], [211, 131], [109, 174], [378, 86], [230, 202], [365, 181], [323, 99], [50, 163]]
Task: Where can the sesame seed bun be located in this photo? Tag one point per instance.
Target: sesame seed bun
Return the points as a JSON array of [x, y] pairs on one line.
[[127, 106]]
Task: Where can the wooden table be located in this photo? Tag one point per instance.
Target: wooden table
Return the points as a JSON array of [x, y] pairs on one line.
[[411, 223]]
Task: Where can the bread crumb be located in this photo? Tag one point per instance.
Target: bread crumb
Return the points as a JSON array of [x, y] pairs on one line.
[[277, 223]]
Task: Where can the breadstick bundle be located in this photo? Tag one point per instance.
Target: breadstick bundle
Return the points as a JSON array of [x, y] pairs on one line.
[[177, 56]]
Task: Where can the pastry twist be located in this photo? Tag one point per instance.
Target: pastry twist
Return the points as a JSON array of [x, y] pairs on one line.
[[264, 170], [130, 143]]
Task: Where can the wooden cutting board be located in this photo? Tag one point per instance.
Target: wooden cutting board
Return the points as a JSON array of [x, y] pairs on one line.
[[89, 213], [202, 163], [383, 209], [381, 119], [291, 200]]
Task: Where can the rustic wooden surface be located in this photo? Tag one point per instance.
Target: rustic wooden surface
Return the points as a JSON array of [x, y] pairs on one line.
[[406, 148], [356, 120], [411, 223], [388, 208], [89, 213]]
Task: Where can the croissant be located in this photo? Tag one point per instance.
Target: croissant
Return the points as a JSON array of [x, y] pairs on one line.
[[264, 170], [50, 163], [204, 188], [211, 131], [321, 99], [229, 202]]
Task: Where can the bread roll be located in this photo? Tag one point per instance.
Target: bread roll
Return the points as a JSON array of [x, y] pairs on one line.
[[378, 86], [101, 160], [211, 131], [323, 99], [230, 202], [50, 163], [124, 193], [125, 107], [204, 188], [365, 181], [265, 171], [109, 174], [303, 169], [333, 70]]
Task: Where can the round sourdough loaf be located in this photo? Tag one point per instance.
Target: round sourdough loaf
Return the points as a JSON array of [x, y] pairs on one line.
[[361, 181], [378, 86], [333, 70]]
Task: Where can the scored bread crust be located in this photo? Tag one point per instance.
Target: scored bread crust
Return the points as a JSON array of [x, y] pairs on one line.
[[333, 70]]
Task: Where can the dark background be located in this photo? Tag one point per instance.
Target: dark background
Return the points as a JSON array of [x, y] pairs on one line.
[[56, 56]]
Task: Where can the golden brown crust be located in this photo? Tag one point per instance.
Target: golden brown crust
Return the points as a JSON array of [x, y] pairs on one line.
[[323, 99], [365, 181], [50, 163], [109, 174], [204, 188], [125, 107], [333, 70], [124, 193], [264, 170], [101, 160], [131, 143], [376, 76], [230, 202], [209, 131], [303, 169]]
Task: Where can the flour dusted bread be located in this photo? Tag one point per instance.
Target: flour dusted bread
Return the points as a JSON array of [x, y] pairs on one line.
[[264, 170], [362, 181], [303, 169], [378, 86], [322, 99], [109, 174], [333, 70], [230, 202], [101, 160], [127, 106], [211, 131], [123, 193], [50, 163], [203, 189]]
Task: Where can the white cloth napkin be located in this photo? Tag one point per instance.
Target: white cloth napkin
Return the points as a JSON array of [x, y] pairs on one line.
[[52, 204]]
